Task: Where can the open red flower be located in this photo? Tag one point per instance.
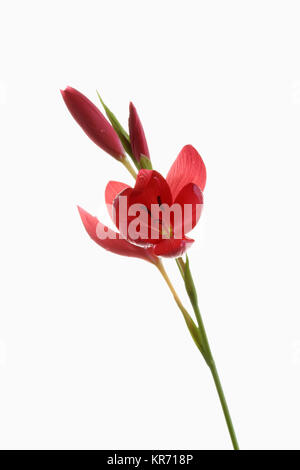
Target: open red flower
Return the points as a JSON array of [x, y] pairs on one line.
[[150, 234]]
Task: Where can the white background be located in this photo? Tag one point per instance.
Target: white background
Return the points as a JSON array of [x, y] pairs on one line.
[[93, 350]]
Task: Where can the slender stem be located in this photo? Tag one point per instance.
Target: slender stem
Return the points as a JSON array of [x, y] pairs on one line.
[[213, 368], [180, 264], [212, 365], [129, 167], [192, 327], [170, 285], [222, 398]]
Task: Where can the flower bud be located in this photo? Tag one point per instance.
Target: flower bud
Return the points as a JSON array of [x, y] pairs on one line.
[[137, 136], [92, 121]]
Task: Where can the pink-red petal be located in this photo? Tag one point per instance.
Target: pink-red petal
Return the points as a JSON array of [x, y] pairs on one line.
[[187, 168], [190, 198], [151, 188], [172, 247], [113, 188], [113, 242]]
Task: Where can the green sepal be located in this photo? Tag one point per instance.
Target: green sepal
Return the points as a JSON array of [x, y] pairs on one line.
[[189, 283], [195, 333], [145, 163], [180, 263], [191, 291], [123, 135]]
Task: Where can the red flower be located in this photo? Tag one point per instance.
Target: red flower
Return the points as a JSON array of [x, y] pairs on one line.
[[92, 121], [137, 135], [183, 186]]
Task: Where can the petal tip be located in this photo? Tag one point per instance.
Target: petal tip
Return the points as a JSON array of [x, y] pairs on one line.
[[80, 210], [84, 215]]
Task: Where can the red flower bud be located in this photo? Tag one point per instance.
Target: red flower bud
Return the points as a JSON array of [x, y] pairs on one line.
[[137, 136], [92, 121]]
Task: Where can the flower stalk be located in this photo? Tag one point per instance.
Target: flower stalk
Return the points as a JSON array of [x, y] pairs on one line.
[[198, 333], [192, 293], [129, 167], [194, 331]]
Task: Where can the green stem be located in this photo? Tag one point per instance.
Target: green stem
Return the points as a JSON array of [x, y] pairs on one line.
[[222, 398], [129, 167], [188, 319], [209, 359], [180, 264], [214, 371]]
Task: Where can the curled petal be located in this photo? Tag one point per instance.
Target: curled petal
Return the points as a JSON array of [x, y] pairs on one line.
[[172, 247], [113, 188], [92, 121], [187, 168], [112, 241], [190, 198], [137, 135], [151, 188]]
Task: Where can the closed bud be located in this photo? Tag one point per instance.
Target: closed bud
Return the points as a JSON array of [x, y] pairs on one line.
[[93, 123], [137, 136]]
